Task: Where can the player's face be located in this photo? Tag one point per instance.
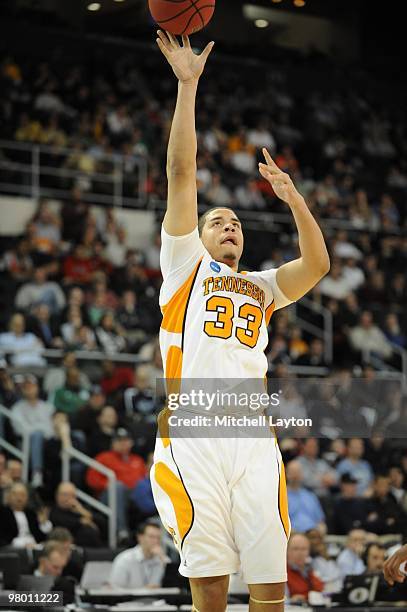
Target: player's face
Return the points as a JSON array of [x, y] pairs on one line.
[[222, 236]]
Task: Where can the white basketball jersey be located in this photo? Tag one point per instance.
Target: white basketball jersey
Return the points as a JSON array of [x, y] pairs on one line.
[[214, 319]]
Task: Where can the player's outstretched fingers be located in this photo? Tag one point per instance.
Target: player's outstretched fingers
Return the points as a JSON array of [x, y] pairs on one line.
[[174, 40], [164, 39], [270, 161], [207, 50], [185, 41], [163, 48], [272, 169]]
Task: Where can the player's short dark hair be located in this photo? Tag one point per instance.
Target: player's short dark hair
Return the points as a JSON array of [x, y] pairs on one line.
[[203, 217]]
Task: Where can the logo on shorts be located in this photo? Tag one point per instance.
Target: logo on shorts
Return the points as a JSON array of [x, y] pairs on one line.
[[215, 266]]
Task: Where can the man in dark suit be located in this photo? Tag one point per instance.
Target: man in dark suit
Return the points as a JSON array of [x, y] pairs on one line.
[[19, 526]]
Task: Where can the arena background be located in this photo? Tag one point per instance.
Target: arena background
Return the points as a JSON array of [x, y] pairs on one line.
[[85, 108]]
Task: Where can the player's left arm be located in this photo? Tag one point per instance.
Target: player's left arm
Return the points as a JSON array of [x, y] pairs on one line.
[[297, 277]]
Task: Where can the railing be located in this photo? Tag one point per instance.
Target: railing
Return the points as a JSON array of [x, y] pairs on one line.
[[400, 374], [108, 509], [36, 171], [326, 333], [27, 170], [81, 355], [24, 454]]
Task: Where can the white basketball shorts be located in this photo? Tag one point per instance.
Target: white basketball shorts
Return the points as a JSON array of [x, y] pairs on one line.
[[224, 501]]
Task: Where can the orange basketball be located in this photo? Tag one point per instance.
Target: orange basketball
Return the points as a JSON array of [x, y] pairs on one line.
[[182, 16]]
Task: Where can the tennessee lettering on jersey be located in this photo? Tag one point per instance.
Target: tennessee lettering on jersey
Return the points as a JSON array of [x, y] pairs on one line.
[[214, 325], [231, 284]]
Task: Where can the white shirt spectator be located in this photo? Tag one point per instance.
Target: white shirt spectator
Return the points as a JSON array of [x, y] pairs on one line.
[[132, 570], [262, 137], [354, 276], [337, 288], [25, 348], [349, 563], [32, 417], [370, 339], [33, 293]]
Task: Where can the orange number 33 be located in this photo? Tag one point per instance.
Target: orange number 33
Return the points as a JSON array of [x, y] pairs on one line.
[[223, 326]]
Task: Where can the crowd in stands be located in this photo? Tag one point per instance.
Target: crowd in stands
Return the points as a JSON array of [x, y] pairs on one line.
[[73, 282]]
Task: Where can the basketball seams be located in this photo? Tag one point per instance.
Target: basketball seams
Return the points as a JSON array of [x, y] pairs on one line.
[[196, 11]]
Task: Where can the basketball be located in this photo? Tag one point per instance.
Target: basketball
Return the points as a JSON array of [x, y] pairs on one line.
[[182, 16]]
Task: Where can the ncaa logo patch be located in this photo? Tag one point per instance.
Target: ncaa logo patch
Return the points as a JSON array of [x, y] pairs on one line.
[[215, 266]]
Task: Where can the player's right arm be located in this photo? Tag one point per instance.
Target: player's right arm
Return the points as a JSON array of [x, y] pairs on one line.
[[181, 217]]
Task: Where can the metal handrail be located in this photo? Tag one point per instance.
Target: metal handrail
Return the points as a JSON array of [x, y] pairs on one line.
[[85, 355], [24, 454], [109, 509], [35, 170], [328, 325]]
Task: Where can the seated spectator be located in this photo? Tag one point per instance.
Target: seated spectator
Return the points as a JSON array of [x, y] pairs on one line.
[[45, 327], [25, 348], [249, 197], [86, 418], [71, 397], [55, 377], [393, 331], [61, 439], [140, 401], [374, 557], [144, 565], [110, 335], [315, 356], [349, 509], [17, 261], [64, 538], [100, 300], [132, 318], [317, 473], [335, 284], [68, 512], [383, 513], [33, 415], [142, 494], [20, 526], [324, 567], [51, 560], [75, 303], [102, 436], [350, 558], [9, 392], [129, 469], [41, 290], [304, 506], [300, 575], [78, 266], [397, 486], [47, 233], [368, 337], [115, 380], [218, 193], [357, 467]]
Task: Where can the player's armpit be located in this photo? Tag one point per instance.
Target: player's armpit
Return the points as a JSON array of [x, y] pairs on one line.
[[181, 217], [295, 279]]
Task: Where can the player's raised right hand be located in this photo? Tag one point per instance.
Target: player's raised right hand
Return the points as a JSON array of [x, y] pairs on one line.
[[187, 65]]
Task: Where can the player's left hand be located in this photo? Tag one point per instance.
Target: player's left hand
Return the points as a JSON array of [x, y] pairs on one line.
[[280, 181]]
